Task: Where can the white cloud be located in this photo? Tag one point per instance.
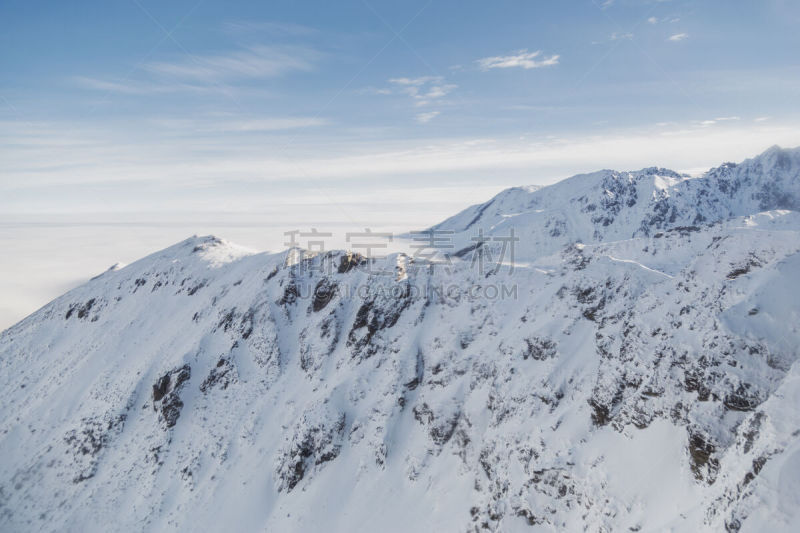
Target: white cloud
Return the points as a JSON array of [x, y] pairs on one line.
[[139, 87], [621, 36], [415, 82], [243, 125], [113, 86], [208, 73], [424, 118], [269, 28], [711, 122], [522, 59], [678, 37], [655, 20], [40, 162], [761, 119], [383, 91], [616, 36], [438, 91], [254, 62], [186, 184], [435, 93], [424, 90], [606, 4]]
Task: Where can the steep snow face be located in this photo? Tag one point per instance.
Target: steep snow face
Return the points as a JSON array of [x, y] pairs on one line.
[[645, 383]]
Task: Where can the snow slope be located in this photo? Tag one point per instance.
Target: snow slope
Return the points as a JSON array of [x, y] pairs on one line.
[[635, 371]]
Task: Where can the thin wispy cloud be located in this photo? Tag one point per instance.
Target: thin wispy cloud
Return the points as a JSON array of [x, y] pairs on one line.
[[254, 62], [415, 82], [240, 125], [424, 118], [616, 36], [206, 73], [106, 156], [138, 87], [711, 122], [97, 84], [384, 91], [424, 91], [521, 59], [655, 20], [267, 28], [272, 77], [437, 91]]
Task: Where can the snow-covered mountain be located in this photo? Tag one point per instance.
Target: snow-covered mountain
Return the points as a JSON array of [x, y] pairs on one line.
[[636, 370], [609, 205]]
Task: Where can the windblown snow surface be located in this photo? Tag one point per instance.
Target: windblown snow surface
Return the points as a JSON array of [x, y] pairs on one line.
[[636, 371]]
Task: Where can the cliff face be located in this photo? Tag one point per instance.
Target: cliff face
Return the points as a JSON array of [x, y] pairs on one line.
[[635, 371]]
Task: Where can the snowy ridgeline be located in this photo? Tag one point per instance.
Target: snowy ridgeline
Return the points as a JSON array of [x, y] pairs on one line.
[[635, 371]]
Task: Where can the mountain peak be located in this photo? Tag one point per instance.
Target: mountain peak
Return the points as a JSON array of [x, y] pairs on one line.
[[209, 248], [779, 158], [611, 205]]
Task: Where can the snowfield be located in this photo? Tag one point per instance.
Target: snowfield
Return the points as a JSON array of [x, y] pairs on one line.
[[636, 370]]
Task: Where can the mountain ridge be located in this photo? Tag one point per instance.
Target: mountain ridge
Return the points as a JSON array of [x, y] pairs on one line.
[[780, 157], [593, 207], [208, 386]]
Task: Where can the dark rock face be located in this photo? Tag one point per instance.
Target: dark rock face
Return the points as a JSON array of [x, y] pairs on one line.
[[166, 394], [349, 261], [539, 349], [324, 292], [600, 413], [316, 441], [440, 429], [377, 313], [221, 376], [161, 387], [290, 294], [704, 463], [82, 311], [744, 268], [743, 398], [88, 443], [467, 250]]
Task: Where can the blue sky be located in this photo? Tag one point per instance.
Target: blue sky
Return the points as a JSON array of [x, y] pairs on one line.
[[128, 125], [143, 106]]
